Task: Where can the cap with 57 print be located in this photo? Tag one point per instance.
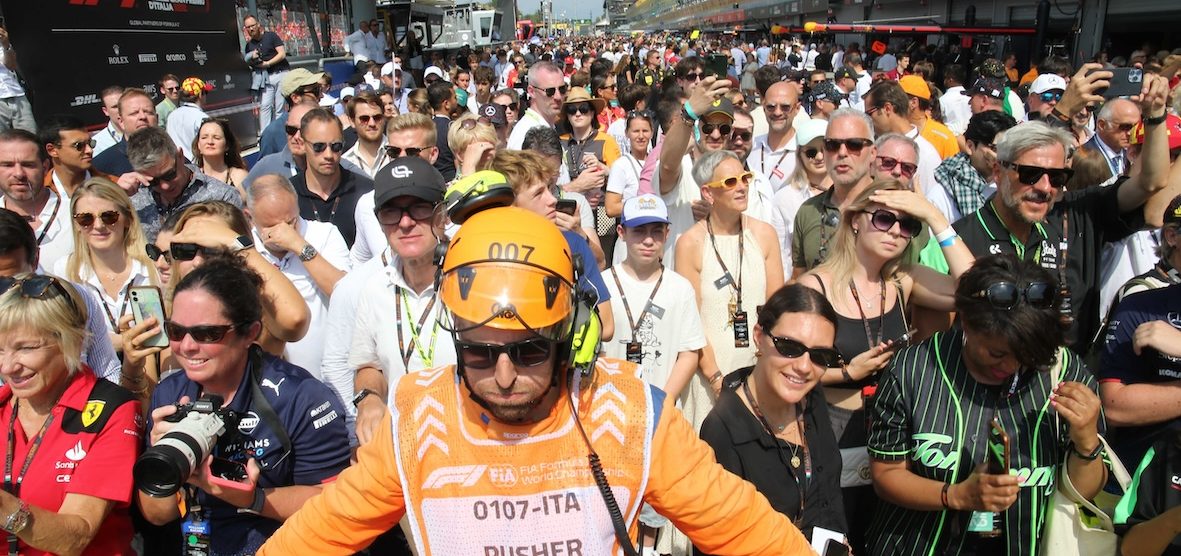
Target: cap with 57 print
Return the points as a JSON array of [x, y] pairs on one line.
[[408, 176]]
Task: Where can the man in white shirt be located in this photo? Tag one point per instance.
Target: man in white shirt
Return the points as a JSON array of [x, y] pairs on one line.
[[15, 110], [70, 149], [375, 44], [773, 154], [311, 254], [547, 92], [846, 81], [399, 327], [355, 43], [106, 137], [737, 59], [955, 105], [22, 185], [658, 306], [367, 113]]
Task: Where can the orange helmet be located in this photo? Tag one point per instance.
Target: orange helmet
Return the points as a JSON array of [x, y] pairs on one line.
[[511, 269]]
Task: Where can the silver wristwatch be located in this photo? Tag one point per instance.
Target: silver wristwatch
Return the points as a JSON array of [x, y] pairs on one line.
[[18, 520], [308, 253]]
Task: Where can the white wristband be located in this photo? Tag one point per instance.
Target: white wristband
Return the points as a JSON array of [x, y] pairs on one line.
[[945, 235]]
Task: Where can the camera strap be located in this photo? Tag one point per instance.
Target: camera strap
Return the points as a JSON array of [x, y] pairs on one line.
[[259, 400]]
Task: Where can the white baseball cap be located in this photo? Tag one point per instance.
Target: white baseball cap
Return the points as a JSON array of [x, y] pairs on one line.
[[1047, 82], [810, 130], [389, 68], [644, 209], [436, 71], [347, 92]]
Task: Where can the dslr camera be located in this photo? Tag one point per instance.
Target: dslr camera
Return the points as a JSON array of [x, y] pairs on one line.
[[164, 467]]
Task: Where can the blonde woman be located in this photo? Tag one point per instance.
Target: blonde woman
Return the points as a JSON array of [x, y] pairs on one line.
[[109, 256], [872, 290], [473, 141]]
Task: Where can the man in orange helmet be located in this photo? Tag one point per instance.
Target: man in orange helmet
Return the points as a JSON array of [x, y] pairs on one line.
[[527, 446]]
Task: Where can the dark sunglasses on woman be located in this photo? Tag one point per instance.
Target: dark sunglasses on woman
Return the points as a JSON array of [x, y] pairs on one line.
[[36, 286], [202, 334], [188, 251], [883, 220], [1030, 175], [86, 219], [787, 347], [1006, 295], [526, 353], [580, 108], [155, 253]]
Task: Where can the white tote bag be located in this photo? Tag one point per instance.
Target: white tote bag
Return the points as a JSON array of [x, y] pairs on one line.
[[1071, 531]]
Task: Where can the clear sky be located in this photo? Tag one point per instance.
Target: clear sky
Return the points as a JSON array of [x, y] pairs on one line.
[[575, 9]]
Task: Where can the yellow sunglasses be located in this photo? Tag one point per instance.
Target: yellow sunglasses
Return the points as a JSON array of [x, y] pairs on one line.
[[732, 181]]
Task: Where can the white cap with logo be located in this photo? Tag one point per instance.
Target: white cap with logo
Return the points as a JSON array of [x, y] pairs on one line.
[[644, 209]]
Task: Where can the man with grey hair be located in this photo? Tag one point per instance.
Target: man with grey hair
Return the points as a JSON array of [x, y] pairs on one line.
[[1113, 134], [1032, 216], [172, 183], [849, 152], [547, 91], [311, 254]]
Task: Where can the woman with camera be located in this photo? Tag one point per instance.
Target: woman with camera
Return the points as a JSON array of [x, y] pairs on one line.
[[770, 425], [284, 431], [71, 436], [999, 390]]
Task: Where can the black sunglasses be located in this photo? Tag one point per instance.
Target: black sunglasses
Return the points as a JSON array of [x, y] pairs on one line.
[[526, 353], [853, 145], [1030, 175], [203, 334], [693, 76], [787, 347], [399, 152], [36, 286], [811, 152], [155, 253], [580, 108], [550, 91], [883, 220], [741, 135], [336, 146], [171, 175], [1006, 295], [708, 129], [189, 251], [86, 219], [391, 215], [309, 90], [365, 118], [291, 130], [888, 163]]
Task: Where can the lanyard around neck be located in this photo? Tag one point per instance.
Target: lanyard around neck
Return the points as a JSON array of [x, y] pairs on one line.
[[427, 356], [12, 485], [635, 323], [726, 271]]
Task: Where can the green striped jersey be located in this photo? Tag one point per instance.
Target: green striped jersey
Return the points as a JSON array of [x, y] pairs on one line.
[[935, 416]]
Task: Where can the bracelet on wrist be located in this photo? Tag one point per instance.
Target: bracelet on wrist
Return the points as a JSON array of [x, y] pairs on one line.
[[845, 373], [1158, 120], [947, 237], [1059, 115], [1091, 456], [687, 110], [943, 496]]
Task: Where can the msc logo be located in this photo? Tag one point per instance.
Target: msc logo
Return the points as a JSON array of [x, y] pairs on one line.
[[117, 59], [401, 172]]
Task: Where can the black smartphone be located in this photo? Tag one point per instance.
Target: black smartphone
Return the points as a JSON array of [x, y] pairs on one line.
[[567, 206], [903, 340], [716, 65], [1125, 82], [835, 548], [998, 448]]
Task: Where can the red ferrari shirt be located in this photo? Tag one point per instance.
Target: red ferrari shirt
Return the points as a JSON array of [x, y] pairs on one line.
[[88, 449]]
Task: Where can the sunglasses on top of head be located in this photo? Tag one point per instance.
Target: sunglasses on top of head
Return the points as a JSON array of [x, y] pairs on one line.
[[526, 353], [1030, 175], [86, 219], [1006, 295], [36, 286], [883, 220], [787, 347]]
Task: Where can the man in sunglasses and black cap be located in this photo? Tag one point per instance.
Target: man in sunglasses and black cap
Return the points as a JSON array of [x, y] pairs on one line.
[[1034, 217]]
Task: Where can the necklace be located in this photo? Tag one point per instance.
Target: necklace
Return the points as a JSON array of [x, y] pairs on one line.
[[754, 405], [872, 340]]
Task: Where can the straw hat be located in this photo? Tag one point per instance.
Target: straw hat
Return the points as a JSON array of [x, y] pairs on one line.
[[579, 94]]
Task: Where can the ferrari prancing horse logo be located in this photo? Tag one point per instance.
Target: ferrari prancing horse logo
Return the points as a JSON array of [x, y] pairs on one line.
[[92, 411]]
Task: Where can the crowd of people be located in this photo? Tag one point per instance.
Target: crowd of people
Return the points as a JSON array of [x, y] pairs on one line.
[[781, 297]]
